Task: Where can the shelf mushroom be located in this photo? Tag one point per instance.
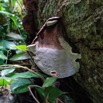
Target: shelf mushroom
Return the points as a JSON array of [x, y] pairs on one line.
[[53, 55]]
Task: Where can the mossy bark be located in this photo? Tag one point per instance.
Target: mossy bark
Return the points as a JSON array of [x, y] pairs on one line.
[[83, 20]]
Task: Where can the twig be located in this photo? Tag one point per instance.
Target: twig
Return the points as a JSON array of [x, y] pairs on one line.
[[33, 94], [58, 100], [32, 61], [23, 67]]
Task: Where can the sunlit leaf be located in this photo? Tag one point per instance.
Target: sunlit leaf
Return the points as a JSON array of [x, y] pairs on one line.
[[3, 81], [49, 81], [21, 47], [7, 71], [13, 2], [20, 86]]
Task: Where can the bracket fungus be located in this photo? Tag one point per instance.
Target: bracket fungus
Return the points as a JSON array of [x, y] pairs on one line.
[[53, 55]]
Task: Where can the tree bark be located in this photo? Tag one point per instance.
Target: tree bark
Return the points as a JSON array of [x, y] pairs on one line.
[[83, 20]]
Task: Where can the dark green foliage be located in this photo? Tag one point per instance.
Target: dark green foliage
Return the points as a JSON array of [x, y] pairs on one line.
[[49, 93], [20, 85]]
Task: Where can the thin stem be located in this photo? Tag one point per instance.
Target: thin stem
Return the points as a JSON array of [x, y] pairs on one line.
[[7, 56], [23, 67], [58, 101], [32, 61], [33, 94]]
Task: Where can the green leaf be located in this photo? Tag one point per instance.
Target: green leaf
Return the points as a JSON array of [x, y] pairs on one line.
[[52, 93], [21, 47], [13, 2], [14, 19], [7, 71], [23, 75], [6, 13], [14, 36], [1, 61], [2, 48], [20, 86], [49, 81], [10, 15], [20, 56], [2, 56], [49, 93], [2, 45], [40, 91], [7, 44], [4, 81]]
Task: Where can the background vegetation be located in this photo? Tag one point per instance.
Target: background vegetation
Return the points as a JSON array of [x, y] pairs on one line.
[[17, 69]]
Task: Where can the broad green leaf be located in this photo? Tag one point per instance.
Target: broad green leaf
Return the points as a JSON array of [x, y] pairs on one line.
[[20, 86], [1, 45], [2, 48], [21, 47], [7, 44], [52, 93], [20, 56], [6, 13], [40, 91], [14, 36], [7, 71], [13, 2], [49, 81], [9, 80], [2, 56], [4, 81], [49, 93], [1, 61], [23, 75]]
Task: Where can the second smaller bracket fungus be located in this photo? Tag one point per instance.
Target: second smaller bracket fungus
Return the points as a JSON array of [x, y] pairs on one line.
[[55, 56]]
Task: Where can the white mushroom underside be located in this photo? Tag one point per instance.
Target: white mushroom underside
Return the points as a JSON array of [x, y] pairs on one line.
[[61, 61]]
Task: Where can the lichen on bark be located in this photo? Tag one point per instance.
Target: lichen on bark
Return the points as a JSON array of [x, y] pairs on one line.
[[83, 20]]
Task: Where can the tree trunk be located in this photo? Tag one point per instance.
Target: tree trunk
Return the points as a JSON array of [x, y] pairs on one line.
[[83, 20]]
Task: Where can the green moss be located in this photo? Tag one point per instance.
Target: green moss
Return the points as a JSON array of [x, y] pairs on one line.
[[83, 20]]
